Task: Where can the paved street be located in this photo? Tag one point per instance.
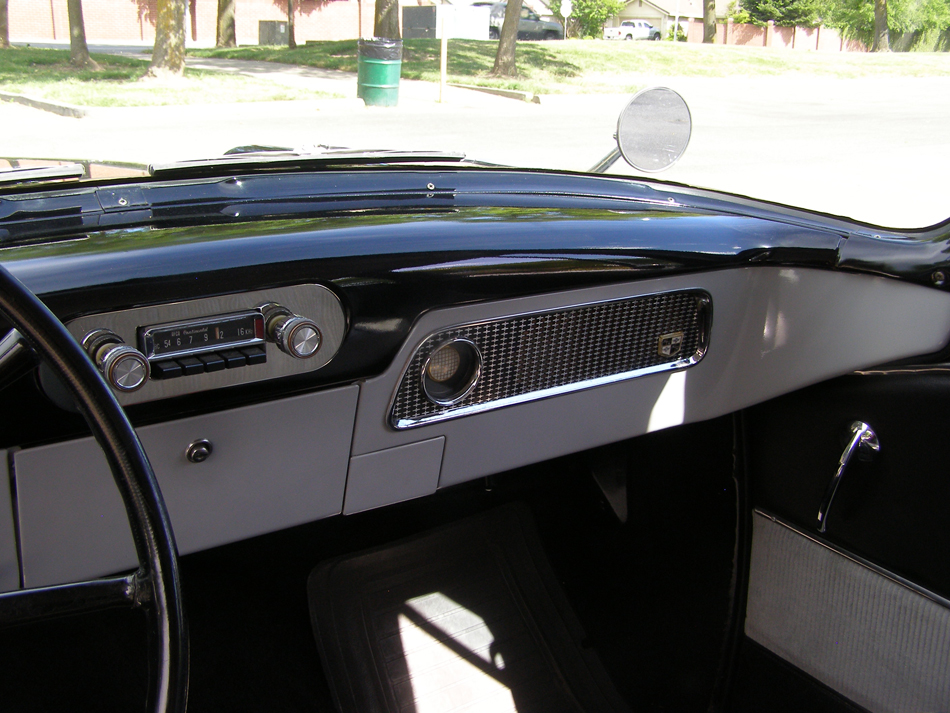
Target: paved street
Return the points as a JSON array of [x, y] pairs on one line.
[[876, 149]]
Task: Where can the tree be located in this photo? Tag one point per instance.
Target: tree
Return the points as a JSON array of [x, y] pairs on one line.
[[168, 57], [291, 39], [880, 41], [226, 35], [875, 26], [591, 15], [786, 13], [4, 25], [78, 50], [387, 19], [709, 21], [505, 55]]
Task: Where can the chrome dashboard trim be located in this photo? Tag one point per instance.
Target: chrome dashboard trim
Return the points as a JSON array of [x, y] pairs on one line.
[[147, 335], [441, 336], [867, 564]]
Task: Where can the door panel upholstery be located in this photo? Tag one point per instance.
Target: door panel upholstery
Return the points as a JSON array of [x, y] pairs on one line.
[[863, 607], [875, 640]]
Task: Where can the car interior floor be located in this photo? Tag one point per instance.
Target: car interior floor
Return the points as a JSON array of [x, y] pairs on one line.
[[653, 594]]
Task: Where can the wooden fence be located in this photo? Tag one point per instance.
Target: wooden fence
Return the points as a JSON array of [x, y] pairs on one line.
[[824, 39]]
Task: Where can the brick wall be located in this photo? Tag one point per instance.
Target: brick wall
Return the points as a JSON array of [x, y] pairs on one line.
[[134, 20]]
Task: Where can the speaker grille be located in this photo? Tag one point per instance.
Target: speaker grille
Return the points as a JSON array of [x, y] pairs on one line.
[[541, 354]]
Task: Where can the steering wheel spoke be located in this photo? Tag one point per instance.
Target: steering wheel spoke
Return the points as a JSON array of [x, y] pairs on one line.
[[26, 605]]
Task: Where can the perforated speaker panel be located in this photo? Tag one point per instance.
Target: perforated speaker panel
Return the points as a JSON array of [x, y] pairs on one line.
[[541, 354]]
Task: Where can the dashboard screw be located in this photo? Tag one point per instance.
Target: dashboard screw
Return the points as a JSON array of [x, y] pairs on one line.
[[430, 186], [123, 201], [938, 277]]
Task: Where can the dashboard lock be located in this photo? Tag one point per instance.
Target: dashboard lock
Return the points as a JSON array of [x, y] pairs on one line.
[[199, 451]]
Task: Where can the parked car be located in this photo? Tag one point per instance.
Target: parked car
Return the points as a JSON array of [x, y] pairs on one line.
[[530, 26], [399, 430], [632, 30]]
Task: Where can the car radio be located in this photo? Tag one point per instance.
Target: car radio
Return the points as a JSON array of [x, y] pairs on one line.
[[167, 350]]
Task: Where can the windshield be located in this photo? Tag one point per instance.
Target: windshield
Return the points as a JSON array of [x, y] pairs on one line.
[[789, 103]]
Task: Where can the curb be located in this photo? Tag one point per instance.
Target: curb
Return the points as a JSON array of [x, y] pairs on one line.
[[74, 112], [508, 93]]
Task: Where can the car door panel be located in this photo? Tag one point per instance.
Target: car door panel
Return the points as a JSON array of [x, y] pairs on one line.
[[876, 640], [891, 510], [861, 607]]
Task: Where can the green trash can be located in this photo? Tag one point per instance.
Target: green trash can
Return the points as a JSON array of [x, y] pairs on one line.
[[378, 67]]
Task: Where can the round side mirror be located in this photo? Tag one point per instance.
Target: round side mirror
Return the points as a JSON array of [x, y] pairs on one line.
[[653, 129]]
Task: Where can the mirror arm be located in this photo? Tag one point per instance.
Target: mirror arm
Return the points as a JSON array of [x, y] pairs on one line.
[[606, 162]]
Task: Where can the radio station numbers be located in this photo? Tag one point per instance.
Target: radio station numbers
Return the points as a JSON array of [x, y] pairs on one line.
[[185, 338]]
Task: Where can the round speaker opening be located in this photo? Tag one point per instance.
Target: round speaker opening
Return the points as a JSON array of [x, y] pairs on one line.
[[451, 372]]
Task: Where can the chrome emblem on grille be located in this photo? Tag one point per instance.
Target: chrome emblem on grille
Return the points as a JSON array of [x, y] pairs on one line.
[[670, 344]]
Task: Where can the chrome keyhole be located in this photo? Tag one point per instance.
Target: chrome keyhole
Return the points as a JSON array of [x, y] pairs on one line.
[[199, 451]]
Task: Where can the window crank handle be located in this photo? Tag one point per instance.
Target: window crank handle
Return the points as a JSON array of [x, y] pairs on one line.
[[864, 441]]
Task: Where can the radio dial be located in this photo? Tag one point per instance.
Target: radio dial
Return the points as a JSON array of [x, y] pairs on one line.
[[295, 335], [124, 368]]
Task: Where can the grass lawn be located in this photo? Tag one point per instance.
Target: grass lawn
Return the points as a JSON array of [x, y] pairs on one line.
[[600, 66], [47, 74]]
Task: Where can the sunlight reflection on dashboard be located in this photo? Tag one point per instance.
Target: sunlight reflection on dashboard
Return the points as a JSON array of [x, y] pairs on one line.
[[670, 407], [775, 329]]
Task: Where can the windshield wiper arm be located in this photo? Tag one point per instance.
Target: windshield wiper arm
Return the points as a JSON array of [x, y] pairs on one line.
[[276, 158], [34, 175]]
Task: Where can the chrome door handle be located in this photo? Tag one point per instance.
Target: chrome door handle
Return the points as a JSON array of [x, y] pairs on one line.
[[864, 441]]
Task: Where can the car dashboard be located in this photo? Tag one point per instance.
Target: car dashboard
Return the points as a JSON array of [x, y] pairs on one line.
[[453, 324]]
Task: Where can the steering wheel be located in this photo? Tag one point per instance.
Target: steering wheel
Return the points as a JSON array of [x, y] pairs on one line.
[[156, 585]]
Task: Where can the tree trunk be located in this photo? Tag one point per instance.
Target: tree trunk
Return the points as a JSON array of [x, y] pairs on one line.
[[4, 25], [709, 21], [78, 50], [880, 42], [226, 35], [505, 56], [291, 39], [168, 58], [387, 19]]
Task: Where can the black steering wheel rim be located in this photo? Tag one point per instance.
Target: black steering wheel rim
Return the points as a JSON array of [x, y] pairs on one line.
[[156, 586]]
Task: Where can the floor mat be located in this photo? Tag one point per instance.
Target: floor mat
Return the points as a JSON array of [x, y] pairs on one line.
[[468, 617]]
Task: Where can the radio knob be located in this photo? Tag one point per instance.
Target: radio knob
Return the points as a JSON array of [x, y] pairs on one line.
[[295, 335], [124, 368]]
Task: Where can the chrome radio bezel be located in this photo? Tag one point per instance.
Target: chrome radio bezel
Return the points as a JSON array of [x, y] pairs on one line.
[[147, 335]]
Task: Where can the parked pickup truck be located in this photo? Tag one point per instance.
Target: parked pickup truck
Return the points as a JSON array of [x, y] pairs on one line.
[[632, 30]]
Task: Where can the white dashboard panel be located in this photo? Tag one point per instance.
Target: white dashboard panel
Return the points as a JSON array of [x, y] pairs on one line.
[[283, 463], [273, 465], [393, 475], [773, 330]]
